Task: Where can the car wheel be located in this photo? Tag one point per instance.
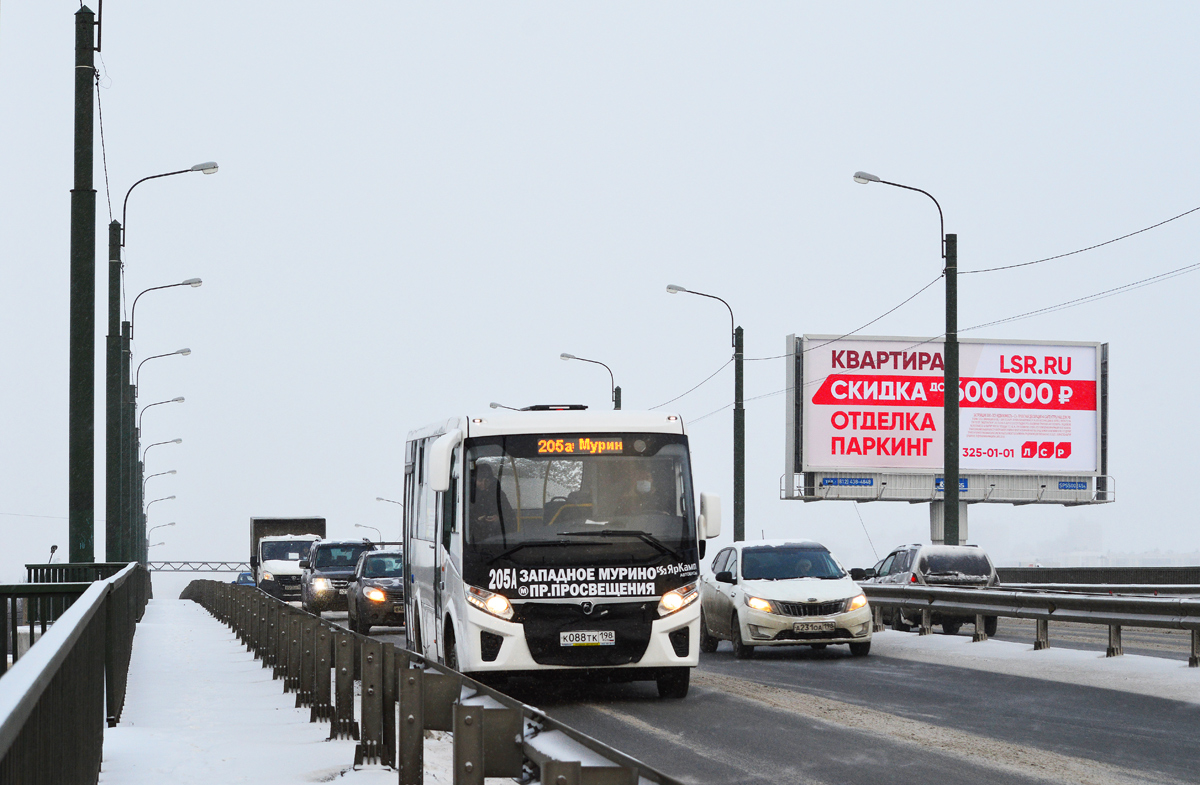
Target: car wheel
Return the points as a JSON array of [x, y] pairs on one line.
[[989, 625], [951, 627], [674, 683], [740, 649], [860, 649], [898, 622], [708, 644]]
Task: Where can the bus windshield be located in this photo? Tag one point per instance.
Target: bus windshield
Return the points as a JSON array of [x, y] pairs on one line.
[[572, 499]]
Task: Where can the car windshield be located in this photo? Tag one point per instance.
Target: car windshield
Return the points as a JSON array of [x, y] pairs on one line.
[[775, 563], [284, 551], [391, 566], [622, 498], [973, 563], [339, 556]]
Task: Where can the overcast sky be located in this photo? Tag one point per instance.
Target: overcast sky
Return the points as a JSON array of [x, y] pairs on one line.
[[421, 205]]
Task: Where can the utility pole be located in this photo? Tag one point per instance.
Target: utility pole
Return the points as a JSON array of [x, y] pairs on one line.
[[950, 399], [81, 452], [739, 443], [114, 550]]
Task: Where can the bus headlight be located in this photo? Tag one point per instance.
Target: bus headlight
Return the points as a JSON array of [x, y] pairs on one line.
[[490, 602], [321, 584], [854, 603], [375, 595], [759, 604], [677, 598]]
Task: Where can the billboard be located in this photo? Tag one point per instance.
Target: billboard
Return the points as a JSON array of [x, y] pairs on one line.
[[862, 409]]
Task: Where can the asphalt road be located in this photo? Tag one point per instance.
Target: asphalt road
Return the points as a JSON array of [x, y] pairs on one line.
[[803, 716]]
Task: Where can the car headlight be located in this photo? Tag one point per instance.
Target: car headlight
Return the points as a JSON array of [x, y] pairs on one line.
[[321, 584], [854, 603], [375, 595], [678, 598], [266, 576], [490, 602], [759, 604]]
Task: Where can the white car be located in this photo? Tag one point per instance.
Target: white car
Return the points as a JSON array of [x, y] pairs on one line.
[[781, 593]]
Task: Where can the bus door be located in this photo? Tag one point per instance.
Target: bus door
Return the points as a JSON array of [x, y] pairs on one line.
[[445, 569], [422, 556]]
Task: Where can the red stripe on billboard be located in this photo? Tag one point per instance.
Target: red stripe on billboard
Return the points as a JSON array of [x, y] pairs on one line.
[[982, 393]]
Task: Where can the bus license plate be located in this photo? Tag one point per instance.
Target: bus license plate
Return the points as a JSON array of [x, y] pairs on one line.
[[813, 626], [588, 638]]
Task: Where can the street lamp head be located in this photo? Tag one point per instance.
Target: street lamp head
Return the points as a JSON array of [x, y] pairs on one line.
[[565, 356], [172, 471], [168, 497], [185, 352], [673, 289], [192, 282], [155, 545], [175, 441], [208, 167], [865, 177], [176, 400]]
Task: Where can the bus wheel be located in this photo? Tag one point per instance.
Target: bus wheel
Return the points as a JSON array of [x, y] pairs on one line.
[[450, 657], [674, 683]]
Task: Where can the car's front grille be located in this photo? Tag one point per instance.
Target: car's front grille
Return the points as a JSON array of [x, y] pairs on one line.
[[337, 584], [288, 580], [791, 635], [810, 608]]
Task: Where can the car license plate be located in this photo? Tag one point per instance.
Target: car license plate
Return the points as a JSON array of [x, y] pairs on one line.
[[341, 591], [588, 638], [813, 626], [397, 608]]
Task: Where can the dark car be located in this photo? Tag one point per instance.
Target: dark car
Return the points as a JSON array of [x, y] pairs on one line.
[[933, 565], [376, 593], [327, 573], [244, 579]]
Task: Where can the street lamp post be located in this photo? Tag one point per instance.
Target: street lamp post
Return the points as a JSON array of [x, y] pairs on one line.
[[739, 418], [138, 374], [393, 501], [143, 556], [157, 403], [138, 524], [116, 429], [614, 389], [950, 504], [378, 533], [151, 477], [159, 526]]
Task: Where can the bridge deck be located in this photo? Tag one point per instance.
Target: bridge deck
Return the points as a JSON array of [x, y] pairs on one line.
[[200, 709]]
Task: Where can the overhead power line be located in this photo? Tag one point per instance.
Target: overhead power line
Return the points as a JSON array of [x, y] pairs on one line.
[[1081, 250]]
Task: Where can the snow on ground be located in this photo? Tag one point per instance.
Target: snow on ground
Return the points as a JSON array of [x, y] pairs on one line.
[[200, 709], [1154, 676]]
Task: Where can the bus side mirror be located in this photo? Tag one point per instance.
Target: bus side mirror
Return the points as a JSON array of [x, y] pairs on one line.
[[710, 516], [440, 455]]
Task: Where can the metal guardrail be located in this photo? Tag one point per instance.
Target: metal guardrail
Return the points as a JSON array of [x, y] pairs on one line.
[[494, 735], [55, 700], [33, 606], [72, 572], [1100, 575], [1152, 589], [199, 566], [1113, 611]]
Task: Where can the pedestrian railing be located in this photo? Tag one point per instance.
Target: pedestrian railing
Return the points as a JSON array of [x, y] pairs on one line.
[[1113, 611], [54, 701], [493, 734]]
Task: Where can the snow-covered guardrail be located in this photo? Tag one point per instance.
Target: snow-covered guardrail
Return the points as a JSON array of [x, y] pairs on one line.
[[55, 699], [494, 735], [1113, 611]]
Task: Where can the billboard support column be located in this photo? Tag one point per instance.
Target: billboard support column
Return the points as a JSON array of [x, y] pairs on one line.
[[950, 398], [937, 521]]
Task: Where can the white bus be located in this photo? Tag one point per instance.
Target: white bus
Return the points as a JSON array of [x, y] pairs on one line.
[[556, 539]]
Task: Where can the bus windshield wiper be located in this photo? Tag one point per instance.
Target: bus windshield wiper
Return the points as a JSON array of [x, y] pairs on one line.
[[645, 537], [530, 544]]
